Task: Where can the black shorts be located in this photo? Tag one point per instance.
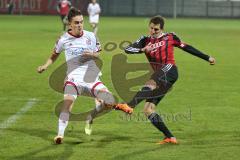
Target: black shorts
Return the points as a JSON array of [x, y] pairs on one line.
[[165, 77]]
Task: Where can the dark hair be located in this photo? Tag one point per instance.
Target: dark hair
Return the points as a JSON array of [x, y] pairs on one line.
[[72, 13], [157, 20]]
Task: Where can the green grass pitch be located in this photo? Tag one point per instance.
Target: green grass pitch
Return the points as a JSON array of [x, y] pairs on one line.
[[202, 110]]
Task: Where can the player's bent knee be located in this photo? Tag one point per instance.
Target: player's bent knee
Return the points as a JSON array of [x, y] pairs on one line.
[[69, 97], [148, 108], [106, 97], [70, 92], [151, 84], [146, 88], [68, 102]]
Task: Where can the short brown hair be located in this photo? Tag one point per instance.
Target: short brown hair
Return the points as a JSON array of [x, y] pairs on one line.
[[72, 13], [157, 20]]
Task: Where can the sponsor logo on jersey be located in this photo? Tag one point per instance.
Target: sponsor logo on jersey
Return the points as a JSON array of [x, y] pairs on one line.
[[75, 51], [158, 44]]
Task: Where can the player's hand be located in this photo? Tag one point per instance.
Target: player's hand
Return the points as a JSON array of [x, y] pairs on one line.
[[90, 54], [40, 69], [147, 48], [212, 60]]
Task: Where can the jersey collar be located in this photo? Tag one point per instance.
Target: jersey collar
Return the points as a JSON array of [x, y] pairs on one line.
[[74, 35], [160, 36]]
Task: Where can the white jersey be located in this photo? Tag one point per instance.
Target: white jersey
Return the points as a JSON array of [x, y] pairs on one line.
[[74, 48], [93, 11]]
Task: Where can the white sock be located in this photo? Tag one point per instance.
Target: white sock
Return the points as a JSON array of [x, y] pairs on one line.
[[62, 123]]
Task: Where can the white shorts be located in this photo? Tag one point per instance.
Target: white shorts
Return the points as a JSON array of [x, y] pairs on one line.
[[94, 19], [75, 87]]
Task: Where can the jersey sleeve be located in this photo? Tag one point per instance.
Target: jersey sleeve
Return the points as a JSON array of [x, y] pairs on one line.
[[58, 46], [95, 45], [188, 48], [177, 41], [136, 47]]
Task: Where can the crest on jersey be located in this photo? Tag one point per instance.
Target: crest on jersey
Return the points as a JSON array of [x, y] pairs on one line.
[[88, 41], [165, 38]]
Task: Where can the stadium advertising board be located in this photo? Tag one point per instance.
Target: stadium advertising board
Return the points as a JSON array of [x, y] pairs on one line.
[[38, 6]]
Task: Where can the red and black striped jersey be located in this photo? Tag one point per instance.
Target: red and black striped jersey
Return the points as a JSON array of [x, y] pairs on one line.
[[162, 52], [64, 7]]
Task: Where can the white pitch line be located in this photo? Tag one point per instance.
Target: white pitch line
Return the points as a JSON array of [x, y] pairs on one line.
[[7, 123]]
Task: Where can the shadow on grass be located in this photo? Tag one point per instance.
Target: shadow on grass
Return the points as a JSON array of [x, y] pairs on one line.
[[109, 137], [64, 151], [32, 153]]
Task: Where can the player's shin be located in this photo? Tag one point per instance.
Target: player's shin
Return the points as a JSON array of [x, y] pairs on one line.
[[65, 113], [98, 108], [62, 123], [157, 121]]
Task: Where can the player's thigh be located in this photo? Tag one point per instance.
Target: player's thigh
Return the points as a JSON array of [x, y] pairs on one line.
[[100, 91], [70, 91], [165, 79]]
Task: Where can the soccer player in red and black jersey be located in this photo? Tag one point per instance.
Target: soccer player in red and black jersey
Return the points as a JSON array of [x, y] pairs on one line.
[[63, 8], [159, 50]]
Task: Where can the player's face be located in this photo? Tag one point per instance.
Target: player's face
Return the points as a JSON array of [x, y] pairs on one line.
[[76, 25], [154, 30]]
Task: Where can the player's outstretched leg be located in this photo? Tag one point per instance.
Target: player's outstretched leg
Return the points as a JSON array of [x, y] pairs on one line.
[[156, 120], [63, 118], [110, 102], [98, 109]]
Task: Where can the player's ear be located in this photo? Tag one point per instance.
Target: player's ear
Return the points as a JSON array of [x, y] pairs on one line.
[[69, 24]]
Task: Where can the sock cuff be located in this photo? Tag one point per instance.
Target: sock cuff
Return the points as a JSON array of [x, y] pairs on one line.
[[155, 117], [152, 115]]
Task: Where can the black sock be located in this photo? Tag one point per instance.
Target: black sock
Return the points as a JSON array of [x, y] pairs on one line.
[[159, 124], [145, 93]]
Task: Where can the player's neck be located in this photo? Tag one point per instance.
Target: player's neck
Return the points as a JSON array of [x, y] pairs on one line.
[[158, 36], [74, 34]]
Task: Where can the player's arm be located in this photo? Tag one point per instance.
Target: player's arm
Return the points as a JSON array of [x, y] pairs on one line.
[[49, 61], [55, 54], [99, 9], [95, 49], [91, 54], [88, 9], [58, 7], [137, 47], [192, 50]]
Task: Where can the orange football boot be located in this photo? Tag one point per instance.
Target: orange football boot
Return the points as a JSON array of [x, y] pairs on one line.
[[166, 140], [124, 108]]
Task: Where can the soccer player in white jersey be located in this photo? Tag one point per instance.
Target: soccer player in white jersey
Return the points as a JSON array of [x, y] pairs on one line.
[[93, 11], [81, 49]]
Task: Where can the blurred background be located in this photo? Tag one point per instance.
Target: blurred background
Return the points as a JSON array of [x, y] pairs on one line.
[[167, 8]]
